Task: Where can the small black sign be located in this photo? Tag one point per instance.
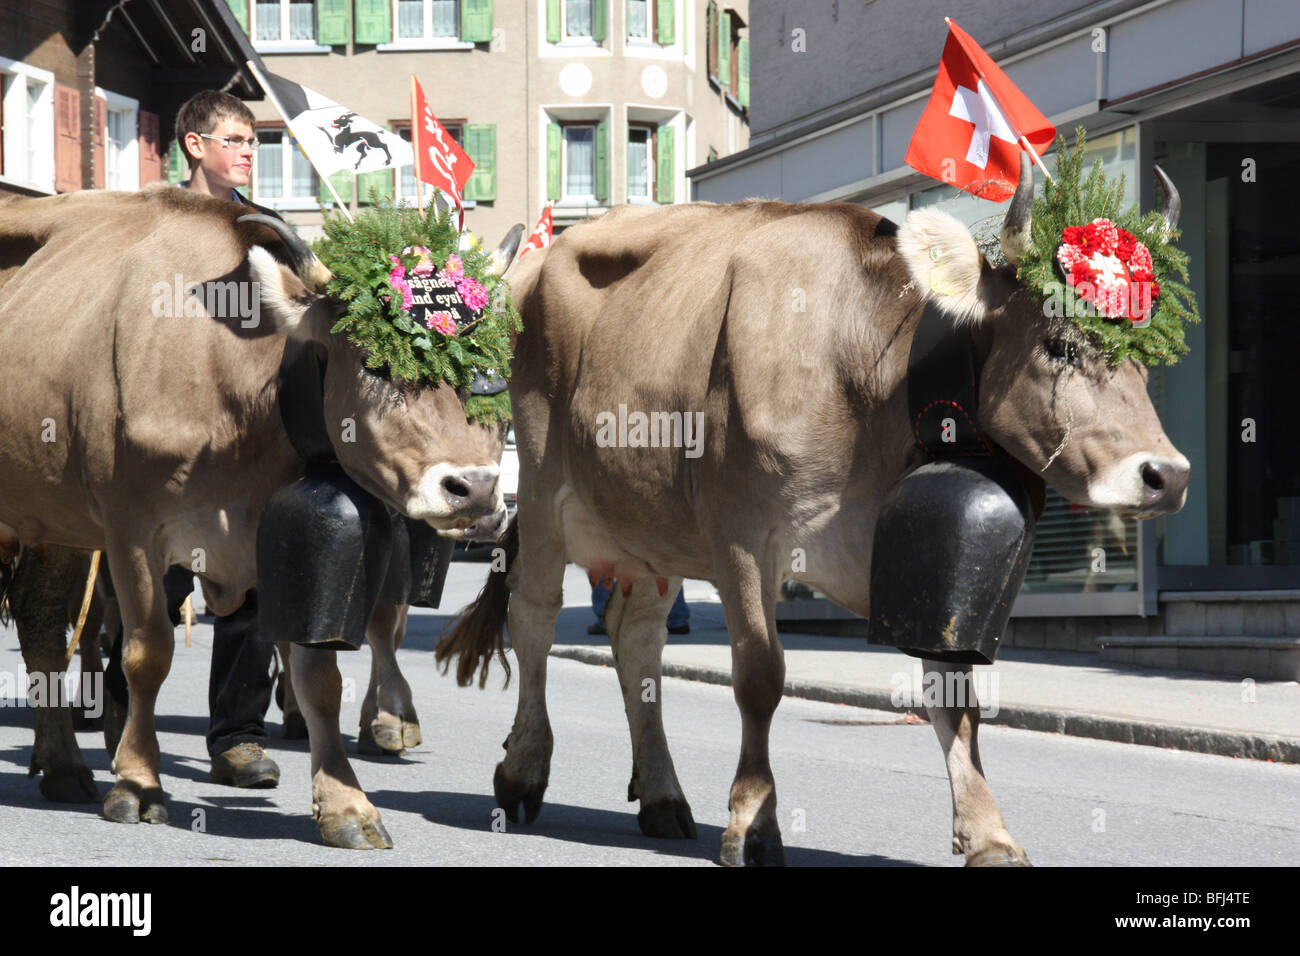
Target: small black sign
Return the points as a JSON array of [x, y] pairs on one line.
[[431, 295]]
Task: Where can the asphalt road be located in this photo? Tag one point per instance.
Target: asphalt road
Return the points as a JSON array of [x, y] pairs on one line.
[[855, 787]]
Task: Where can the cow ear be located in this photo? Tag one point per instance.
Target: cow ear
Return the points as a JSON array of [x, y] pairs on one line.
[[944, 263], [284, 300]]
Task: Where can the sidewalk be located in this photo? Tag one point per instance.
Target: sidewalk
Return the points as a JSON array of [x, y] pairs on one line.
[[1052, 691]]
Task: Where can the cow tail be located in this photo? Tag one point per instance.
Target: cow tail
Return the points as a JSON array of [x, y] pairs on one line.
[[479, 630]]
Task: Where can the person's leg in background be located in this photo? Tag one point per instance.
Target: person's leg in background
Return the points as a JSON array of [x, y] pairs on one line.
[[679, 615], [599, 598], [239, 693]]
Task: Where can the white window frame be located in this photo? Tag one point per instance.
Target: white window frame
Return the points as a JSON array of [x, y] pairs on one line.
[[426, 42], [683, 126], [16, 140], [649, 48], [280, 46], [290, 203], [566, 197], [130, 157], [650, 162]]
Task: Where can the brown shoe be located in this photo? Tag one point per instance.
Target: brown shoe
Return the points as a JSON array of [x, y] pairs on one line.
[[245, 765]]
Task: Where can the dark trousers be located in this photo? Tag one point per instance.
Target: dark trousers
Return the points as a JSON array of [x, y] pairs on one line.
[[239, 684]]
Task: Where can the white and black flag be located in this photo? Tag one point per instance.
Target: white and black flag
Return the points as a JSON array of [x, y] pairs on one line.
[[333, 137]]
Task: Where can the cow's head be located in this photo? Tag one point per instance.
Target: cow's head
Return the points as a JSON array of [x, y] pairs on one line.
[[408, 445], [1046, 394]]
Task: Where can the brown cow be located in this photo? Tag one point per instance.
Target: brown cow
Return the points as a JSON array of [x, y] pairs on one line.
[[148, 426], [801, 429]]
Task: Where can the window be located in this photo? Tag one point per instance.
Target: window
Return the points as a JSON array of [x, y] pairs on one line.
[[579, 160], [640, 166], [578, 18], [118, 140], [639, 16], [407, 173], [27, 107], [281, 171], [284, 20], [428, 19], [728, 54]]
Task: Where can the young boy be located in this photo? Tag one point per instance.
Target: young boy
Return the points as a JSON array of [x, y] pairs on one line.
[[215, 131]]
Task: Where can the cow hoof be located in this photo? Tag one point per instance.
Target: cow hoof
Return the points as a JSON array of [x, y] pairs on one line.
[[510, 794], [294, 727], [668, 820], [999, 856], [129, 804], [411, 734], [70, 785], [380, 740], [752, 850], [348, 833]]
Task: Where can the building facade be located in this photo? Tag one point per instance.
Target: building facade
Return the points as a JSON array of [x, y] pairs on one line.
[[583, 103], [1210, 90]]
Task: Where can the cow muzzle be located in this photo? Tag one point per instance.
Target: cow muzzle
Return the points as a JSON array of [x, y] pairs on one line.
[[455, 498], [1143, 485]]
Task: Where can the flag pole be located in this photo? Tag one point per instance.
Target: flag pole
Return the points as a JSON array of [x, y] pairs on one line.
[[266, 87], [1024, 140], [415, 148]]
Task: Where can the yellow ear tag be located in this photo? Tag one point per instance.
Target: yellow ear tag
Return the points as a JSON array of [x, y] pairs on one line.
[[940, 284]]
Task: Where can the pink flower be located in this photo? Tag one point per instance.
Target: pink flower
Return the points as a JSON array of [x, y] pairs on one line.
[[444, 322], [425, 266], [453, 269], [472, 293]]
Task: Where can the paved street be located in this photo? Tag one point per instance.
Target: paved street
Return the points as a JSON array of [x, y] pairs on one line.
[[868, 788]]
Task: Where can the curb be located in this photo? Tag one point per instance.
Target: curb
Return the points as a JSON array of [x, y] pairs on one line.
[[1222, 743]]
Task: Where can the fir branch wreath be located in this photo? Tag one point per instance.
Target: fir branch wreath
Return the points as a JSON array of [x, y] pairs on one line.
[[1087, 256], [380, 262]]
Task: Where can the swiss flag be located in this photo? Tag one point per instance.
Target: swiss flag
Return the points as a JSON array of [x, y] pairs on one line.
[[969, 134], [541, 234], [439, 160]]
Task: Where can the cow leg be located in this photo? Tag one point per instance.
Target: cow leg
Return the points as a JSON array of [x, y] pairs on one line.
[[148, 641], [388, 720], [536, 582], [89, 713], [37, 600], [293, 727], [345, 817], [748, 590], [637, 634], [978, 829]]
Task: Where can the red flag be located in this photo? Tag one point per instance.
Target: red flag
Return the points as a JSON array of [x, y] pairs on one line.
[[541, 234], [969, 134], [439, 160]]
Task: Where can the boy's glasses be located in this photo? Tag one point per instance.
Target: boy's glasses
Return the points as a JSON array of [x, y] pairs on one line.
[[232, 142]]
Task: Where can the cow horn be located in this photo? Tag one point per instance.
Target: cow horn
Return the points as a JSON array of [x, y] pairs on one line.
[[306, 266], [1173, 202], [504, 254], [1015, 235]]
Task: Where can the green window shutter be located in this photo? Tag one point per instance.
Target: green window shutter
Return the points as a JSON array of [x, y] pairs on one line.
[[333, 22], [553, 168], [665, 27], [177, 168], [665, 168], [724, 50], [602, 160], [380, 180], [476, 21], [742, 70], [599, 13], [711, 44], [552, 21], [481, 145], [374, 21], [240, 9], [342, 181]]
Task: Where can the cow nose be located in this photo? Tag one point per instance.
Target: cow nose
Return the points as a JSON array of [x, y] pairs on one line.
[[471, 490], [1163, 485]]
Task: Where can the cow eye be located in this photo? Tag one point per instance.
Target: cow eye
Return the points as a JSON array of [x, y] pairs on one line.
[[1062, 351]]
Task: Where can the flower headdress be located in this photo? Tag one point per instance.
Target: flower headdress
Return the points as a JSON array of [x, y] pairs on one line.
[[421, 307], [1116, 274]]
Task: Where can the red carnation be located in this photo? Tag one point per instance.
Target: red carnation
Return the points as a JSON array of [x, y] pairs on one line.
[[1073, 235], [1125, 246]]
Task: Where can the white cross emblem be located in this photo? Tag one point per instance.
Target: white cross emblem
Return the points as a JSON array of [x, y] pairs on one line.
[[981, 109]]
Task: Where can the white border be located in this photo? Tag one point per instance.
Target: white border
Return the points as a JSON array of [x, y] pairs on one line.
[[15, 134]]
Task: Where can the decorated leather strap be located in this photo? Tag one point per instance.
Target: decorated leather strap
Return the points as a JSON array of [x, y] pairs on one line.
[[941, 390], [302, 401]]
